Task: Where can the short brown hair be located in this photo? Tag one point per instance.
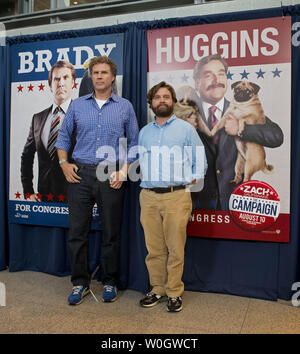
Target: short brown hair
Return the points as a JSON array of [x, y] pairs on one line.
[[103, 60], [154, 89], [206, 60], [62, 64]]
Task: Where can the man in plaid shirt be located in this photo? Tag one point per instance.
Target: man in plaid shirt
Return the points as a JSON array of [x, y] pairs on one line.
[[101, 120]]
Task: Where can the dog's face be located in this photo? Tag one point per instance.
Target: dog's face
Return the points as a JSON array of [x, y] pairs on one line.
[[188, 111], [244, 90]]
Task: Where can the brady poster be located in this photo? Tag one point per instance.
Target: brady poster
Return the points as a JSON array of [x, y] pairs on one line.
[[38, 189], [233, 84]]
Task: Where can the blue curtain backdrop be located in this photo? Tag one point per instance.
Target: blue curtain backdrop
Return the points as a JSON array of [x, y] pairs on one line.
[[4, 111], [254, 269]]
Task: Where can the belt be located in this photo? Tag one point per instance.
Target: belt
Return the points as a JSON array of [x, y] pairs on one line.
[[95, 165], [84, 165], [166, 190]]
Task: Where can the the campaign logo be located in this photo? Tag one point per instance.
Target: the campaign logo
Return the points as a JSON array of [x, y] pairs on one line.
[[254, 205]]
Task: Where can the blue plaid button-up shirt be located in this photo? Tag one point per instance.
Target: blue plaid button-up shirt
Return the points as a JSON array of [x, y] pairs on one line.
[[100, 133]]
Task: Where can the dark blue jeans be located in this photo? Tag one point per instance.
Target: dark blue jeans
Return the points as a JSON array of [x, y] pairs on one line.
[[82, 197]]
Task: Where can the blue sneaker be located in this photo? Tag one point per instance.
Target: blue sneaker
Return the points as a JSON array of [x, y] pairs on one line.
[[109, 293], [77, 294]]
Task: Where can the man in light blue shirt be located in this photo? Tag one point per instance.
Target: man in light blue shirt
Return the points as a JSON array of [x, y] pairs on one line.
[[171, 154], [172, 159]]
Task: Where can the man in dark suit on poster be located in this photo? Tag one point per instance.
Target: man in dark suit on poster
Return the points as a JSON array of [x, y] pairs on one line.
[[211, 83], [52, 185]]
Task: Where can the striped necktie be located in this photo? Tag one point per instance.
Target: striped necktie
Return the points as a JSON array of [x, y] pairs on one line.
[[212, 121], [55, 124]]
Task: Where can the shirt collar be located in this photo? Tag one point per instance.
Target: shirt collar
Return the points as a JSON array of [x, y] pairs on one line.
[[169, 121], [219, 105], [112, 97], [64, 106]]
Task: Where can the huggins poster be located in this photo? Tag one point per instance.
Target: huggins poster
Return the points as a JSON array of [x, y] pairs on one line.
[[233, 84], [45, 73]]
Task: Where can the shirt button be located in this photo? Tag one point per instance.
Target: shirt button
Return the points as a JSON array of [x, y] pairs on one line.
[[218, 172], [100, 114], [98, 139], [99, 126]]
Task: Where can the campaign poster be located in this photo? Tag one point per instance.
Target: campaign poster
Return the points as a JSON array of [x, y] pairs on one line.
[[242, 71], [37, 189]]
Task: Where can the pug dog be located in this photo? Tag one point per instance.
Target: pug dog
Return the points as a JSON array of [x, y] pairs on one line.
[[247, 108]]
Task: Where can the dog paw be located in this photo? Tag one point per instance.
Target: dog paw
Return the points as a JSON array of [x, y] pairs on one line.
[[237, 179]]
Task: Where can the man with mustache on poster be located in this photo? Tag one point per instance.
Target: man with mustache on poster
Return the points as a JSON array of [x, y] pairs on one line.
[[211, 83], [52, 185]]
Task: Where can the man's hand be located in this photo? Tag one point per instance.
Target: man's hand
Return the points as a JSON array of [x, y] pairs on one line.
[[35, 198], [231, 125], [69, 170], [116, 179], [196, 185]]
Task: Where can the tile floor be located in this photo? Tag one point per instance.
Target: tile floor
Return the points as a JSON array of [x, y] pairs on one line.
[[37, 303]]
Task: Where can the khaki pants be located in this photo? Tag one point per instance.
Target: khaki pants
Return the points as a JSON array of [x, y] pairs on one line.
[[164, 218]]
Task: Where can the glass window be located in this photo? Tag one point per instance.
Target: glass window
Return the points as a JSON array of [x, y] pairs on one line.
[[40, 5], [15, 7], [8, 8], [46, 4], [81, 2]]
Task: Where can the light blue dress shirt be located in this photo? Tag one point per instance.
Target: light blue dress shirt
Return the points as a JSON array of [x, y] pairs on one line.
[[102, 134], [171, 154]]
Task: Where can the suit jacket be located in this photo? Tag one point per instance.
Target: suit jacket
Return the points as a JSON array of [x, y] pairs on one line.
[[50, 178], [221, 160]]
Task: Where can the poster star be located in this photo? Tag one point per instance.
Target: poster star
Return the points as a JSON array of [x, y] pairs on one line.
[[229, 75], [41, 87], [276, 72], [260, 73], [184, 78], [30, 88], [39, 196], [61, 198], [20, 88], [50, 196], [244, 74], [170, 78], [18, 195]]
